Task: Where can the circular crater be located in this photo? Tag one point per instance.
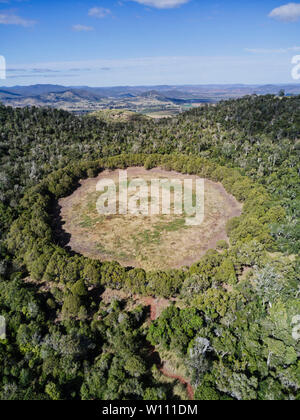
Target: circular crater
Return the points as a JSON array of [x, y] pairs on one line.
[[150, 242]]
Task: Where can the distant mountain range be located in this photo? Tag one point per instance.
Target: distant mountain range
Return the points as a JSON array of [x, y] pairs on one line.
[[145, 99]]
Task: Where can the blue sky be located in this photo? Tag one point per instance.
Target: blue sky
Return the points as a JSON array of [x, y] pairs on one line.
[[148, 42]]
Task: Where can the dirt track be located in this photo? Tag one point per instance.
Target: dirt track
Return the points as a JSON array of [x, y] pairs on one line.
[[183, 381]]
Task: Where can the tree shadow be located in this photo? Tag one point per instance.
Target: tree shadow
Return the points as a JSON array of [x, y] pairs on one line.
[[60, 236]]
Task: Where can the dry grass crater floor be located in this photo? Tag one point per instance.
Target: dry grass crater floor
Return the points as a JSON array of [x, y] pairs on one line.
[[150, 242]]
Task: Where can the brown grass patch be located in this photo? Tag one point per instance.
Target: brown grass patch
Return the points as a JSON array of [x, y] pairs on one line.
[[154, 242]]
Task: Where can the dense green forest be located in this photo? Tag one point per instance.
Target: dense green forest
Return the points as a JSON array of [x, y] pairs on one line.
[[232, 315]]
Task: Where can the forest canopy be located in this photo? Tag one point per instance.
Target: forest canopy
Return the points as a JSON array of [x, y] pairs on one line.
[[230, 321]]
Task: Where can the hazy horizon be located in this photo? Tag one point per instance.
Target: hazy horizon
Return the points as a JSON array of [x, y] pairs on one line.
[[184, 85]]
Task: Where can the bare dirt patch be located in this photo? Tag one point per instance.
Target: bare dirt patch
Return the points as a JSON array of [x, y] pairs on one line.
[[150, 242], [156, 305]]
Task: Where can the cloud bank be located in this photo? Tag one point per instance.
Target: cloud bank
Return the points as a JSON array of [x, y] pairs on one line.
[[82, 28], [162, 4], [288, 13], [265, 69], [272, 50], [99, 12], [12, 19]]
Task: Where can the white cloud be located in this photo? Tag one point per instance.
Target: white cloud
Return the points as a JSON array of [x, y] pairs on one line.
[[82, 28], [11, 19], [288, 13], [162, 4], [99, 12], [272, 51]]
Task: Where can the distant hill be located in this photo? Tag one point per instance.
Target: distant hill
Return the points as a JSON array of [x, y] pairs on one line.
[[159, 100], [118, 115], [4, 94], [34, 90], [182, 91]]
